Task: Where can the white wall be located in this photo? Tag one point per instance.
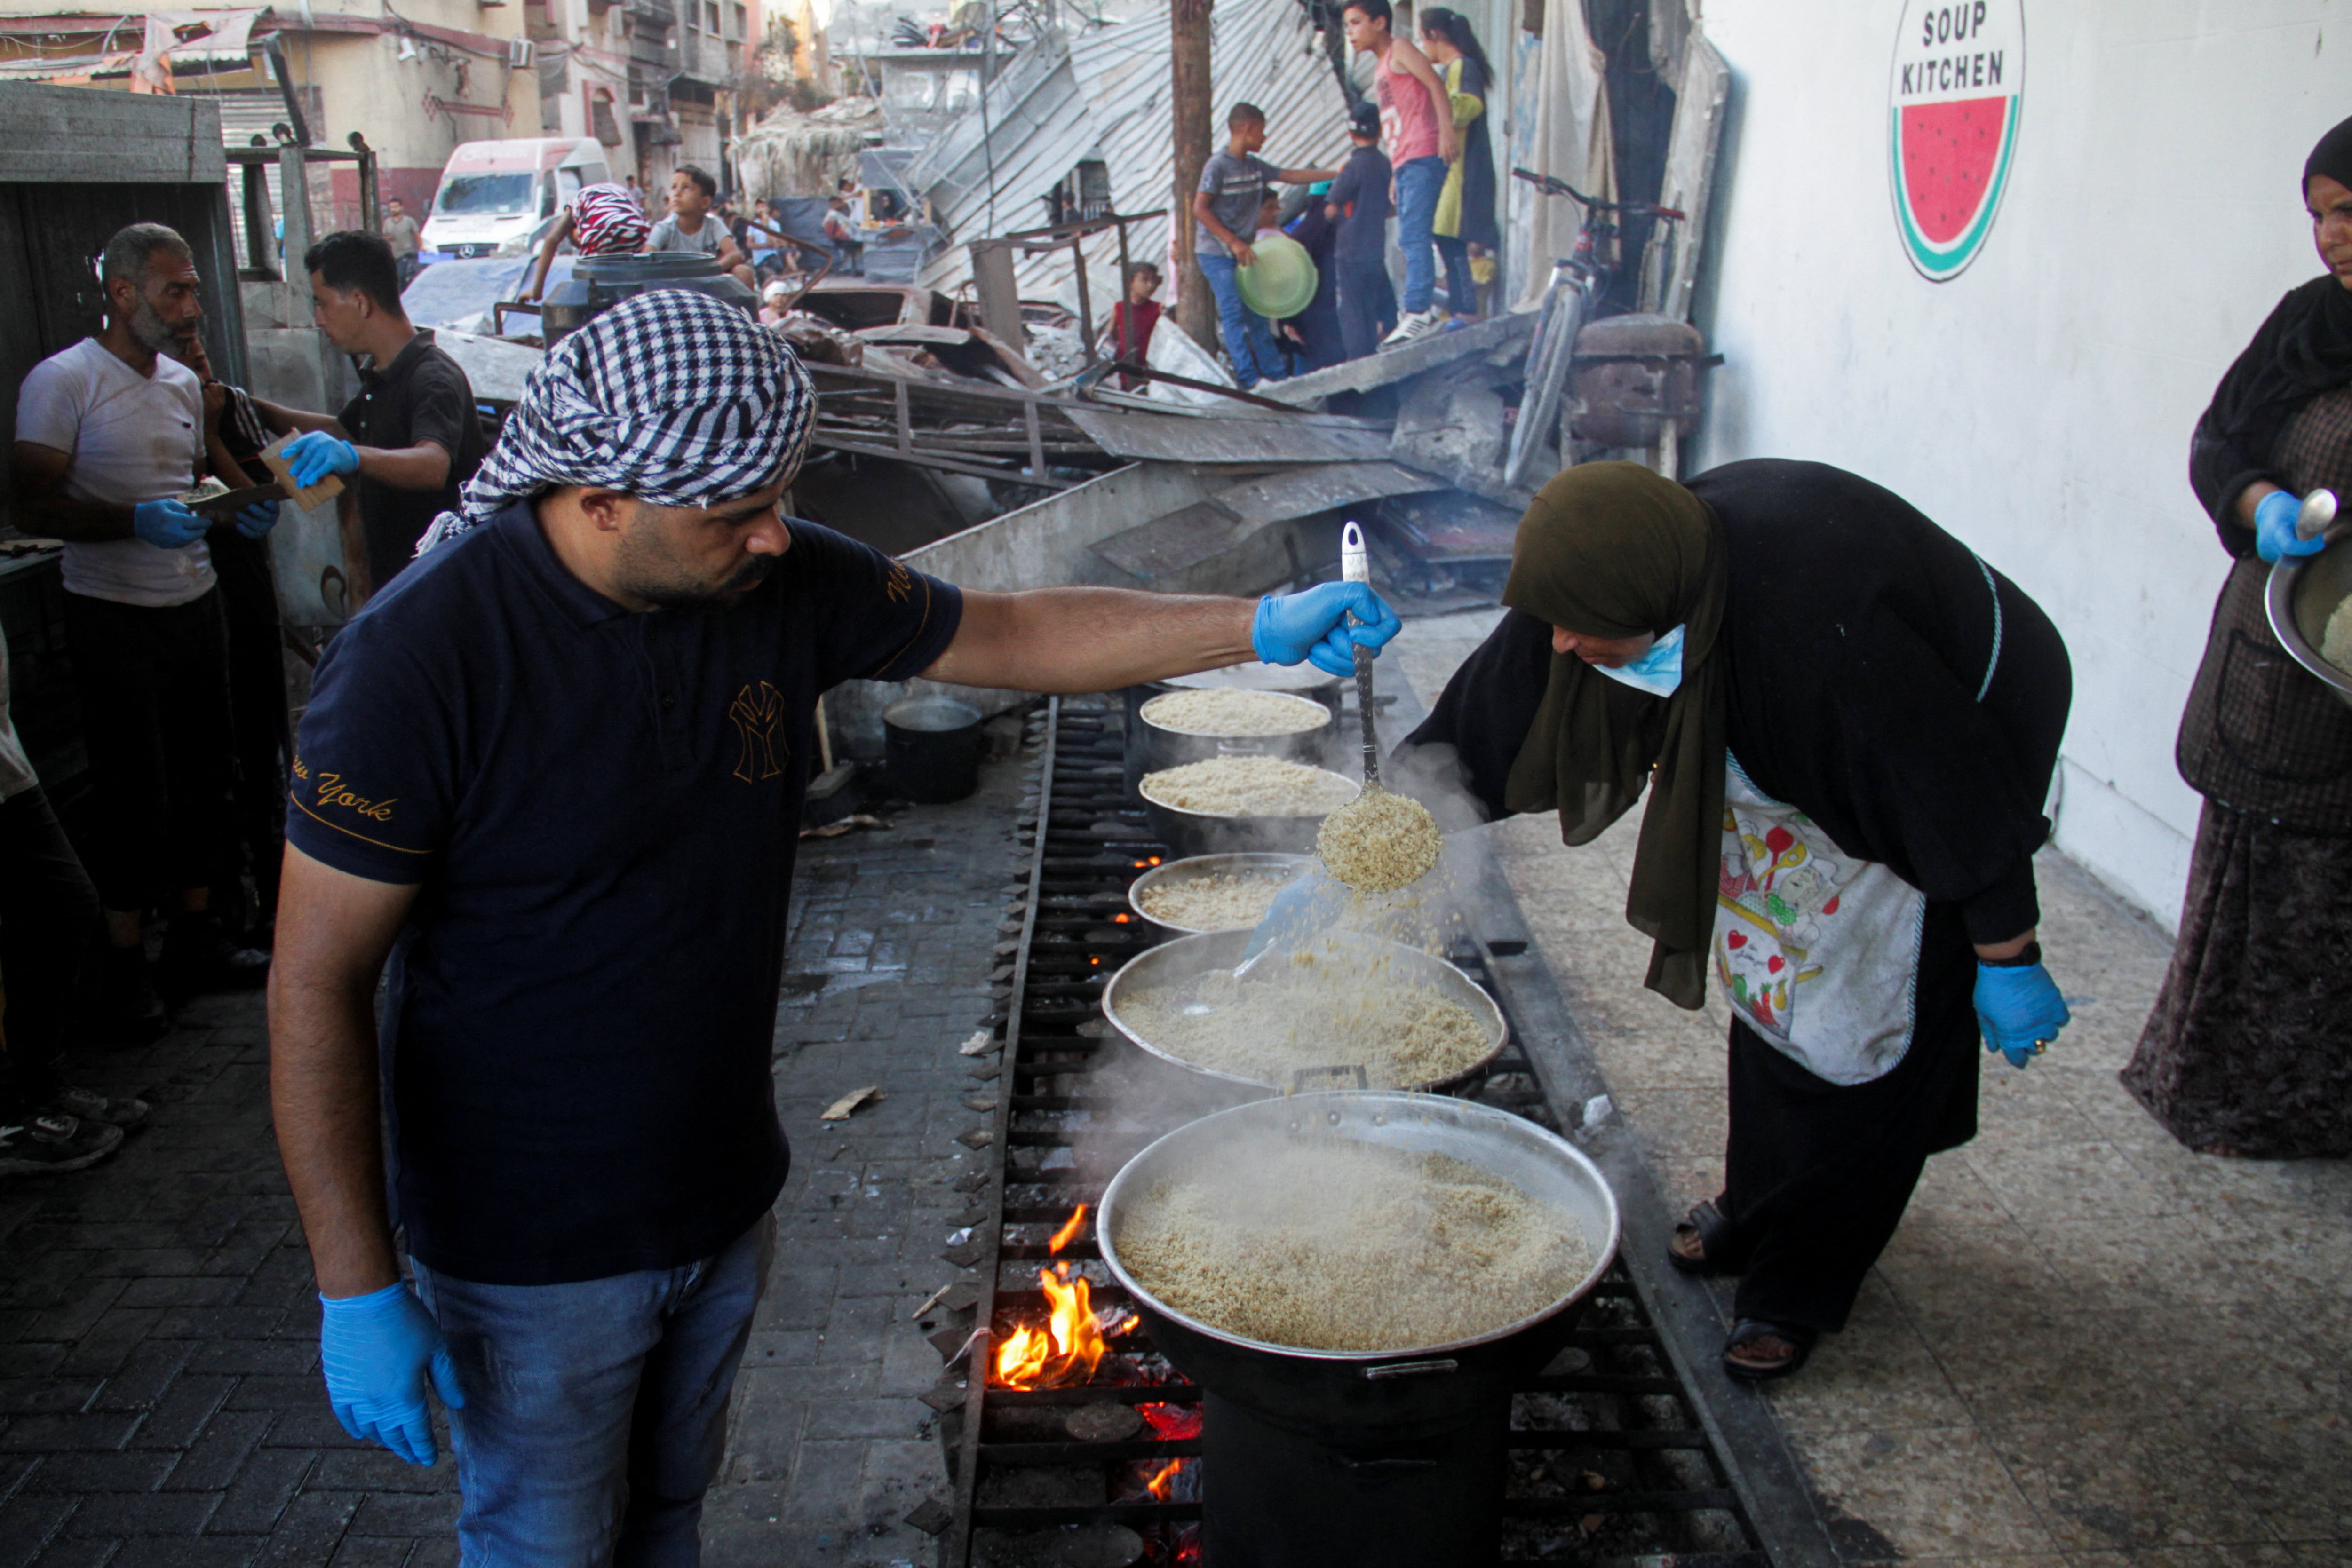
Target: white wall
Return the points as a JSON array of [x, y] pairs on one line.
[[2039, 405]]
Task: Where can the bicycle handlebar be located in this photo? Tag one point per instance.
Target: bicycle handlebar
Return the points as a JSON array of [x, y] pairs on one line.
[[1552, 187]]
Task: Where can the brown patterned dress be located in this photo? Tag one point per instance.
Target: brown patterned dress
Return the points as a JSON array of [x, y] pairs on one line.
[[2248, 1051]]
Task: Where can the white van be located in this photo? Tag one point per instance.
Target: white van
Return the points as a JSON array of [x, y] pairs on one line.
[[496, 195]]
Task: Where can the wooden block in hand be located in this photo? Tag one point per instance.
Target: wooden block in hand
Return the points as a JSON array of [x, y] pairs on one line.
[[325, 489]]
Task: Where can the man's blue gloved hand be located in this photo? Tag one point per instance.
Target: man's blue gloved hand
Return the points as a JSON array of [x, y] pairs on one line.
[[2274, 516], [2019, 1006], [314, 455], [1315, 625], [376, 1351], [166, 524], [257, 519]]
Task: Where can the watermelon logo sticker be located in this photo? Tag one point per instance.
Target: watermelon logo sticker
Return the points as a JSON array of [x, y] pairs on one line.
[[1957, 90]]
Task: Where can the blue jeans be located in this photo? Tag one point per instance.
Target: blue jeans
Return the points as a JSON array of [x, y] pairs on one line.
[[595, 1413], [1418, 185], [1249, 340]]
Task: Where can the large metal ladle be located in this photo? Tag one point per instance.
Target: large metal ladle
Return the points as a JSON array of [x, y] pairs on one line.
[[2316, 517]]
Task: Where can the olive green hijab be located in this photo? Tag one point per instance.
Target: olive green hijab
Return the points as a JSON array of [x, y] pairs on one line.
[[1613, 549]]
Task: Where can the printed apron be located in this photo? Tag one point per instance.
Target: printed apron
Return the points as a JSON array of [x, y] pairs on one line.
[[1818, 952]]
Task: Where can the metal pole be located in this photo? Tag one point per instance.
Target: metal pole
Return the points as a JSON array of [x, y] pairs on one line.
[[1085, 312]]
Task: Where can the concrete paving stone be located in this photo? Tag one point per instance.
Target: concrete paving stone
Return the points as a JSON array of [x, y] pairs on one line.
[[830, 1420], [406, 1514], [111, 1340], [275, 1391], [1929, 1491], [34, 1272], [191, 1552], [179, 1291], [29, 1360], [1877, 1375], [28, 1521], [289, 1357], [1941, 1271], [67, 1434], [183, 1410], [373, 1552], [142, 1513], [825, 1482], [121, 1471], [2146, 1483], [2085, 1181], [311, 1424], [138, 1263], [309, 1530], [75, 1307], [437, 1551], [31, 1395], [373, 1469], [80, 1553], [780, 1347], [217, 1458]]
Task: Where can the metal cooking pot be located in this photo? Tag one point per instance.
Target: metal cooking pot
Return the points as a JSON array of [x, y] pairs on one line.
[[1302, 680], [1190, 832], [1172, 963], [2302, 593], [1159, 747], [1351, 1457], [1199, 866]]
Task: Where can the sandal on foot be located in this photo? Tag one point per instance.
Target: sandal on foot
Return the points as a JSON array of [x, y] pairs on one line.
[[1713, 1232], [1800, 1337]]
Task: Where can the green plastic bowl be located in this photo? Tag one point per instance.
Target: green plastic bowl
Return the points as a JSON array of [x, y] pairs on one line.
[[1281, 281]]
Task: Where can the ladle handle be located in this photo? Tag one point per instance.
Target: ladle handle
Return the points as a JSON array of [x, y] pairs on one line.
[[1356, 566], [2315, 515]]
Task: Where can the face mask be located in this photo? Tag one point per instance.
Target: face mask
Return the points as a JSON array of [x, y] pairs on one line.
[[1658, 670]]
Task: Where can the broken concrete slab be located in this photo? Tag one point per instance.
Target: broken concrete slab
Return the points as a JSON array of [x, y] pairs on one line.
[[1231, 438], [1501, 338]]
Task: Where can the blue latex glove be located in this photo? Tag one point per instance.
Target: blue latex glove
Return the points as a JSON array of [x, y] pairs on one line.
[[166, 524], [376, 1351], [314, 455], [2274, 516], [257, 519], [2016, 1007], [1315, 625]]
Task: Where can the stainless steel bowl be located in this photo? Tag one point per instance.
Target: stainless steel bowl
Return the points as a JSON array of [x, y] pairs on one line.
[[1161, 747], [1193, 870], [1542, 1164], [1190, 832], [2303, 592], [1174, 963]]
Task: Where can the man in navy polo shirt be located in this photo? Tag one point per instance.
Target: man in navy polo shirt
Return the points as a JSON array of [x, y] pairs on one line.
[[554, 773]]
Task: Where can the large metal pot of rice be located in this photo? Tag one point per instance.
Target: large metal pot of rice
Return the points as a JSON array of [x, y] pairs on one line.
[[1231, 805], [1349, 1000], [2306, 594], [1297, 680], [1212, 892], [1282, 1213], [1176, 727]]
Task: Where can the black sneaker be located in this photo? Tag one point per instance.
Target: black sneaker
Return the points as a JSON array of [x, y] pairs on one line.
[[89, 1105], [51, 1143], [129, 1012], [198, 956]]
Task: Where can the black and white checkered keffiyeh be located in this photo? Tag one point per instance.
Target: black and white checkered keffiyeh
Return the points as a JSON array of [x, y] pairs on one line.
[[671, 396]]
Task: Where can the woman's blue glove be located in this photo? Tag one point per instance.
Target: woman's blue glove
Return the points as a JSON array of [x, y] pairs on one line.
[[376, 1350], [166, 524], [314, 455], [2019, 1010], [257, 519], [1315, 625], [2274, 516]]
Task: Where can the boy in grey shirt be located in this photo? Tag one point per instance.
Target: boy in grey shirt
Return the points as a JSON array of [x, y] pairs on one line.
[[1224, 208], [690, 227]]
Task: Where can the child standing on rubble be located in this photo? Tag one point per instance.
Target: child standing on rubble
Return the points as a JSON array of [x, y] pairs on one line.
[[1360, 205], [1233, 183]]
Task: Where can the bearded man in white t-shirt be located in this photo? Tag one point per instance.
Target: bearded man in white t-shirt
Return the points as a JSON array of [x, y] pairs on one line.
[[109, 434]]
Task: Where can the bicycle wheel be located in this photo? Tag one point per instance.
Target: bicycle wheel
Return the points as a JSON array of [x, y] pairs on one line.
[[1547, 375]]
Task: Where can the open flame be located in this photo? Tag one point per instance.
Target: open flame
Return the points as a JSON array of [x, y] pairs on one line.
[[1069, 1231], [1162, 1483], [1067, 1349], [1169, 1422]]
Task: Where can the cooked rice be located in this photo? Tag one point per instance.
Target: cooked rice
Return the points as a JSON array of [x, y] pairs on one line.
[[1236, 713], [1248, 787], [1328, 1243], [2336, 646], [1312, 1011], [1221, 901], [1379, 842]]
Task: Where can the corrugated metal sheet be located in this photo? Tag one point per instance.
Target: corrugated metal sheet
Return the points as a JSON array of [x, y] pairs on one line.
[[1260, 50], [1037, 130]]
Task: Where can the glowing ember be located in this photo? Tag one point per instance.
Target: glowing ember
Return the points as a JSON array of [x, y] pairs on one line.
[[1070, 1347], [1163, 1482], [1169, 1422], [1069, 1231]]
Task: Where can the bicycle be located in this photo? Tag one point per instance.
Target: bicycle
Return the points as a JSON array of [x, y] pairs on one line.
[[1577, 281]]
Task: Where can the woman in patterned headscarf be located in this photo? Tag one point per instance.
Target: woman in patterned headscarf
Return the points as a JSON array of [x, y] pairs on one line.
[[1845, 724], [2247, 1053]]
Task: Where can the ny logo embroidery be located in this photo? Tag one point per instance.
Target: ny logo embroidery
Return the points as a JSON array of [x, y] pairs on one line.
[[756, 712], [897, 584]]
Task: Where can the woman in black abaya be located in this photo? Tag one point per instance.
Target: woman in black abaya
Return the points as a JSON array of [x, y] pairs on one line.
[[1845, 723], [2247, 1052]]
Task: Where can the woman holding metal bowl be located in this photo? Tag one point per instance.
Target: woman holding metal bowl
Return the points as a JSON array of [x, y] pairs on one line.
[[2248, 1052]]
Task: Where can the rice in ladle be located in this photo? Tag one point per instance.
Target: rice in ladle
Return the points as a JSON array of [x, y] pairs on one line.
[[1328, 1243], [1379, 842]]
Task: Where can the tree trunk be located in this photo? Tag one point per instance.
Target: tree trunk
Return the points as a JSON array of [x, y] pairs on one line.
[[1196, 309]]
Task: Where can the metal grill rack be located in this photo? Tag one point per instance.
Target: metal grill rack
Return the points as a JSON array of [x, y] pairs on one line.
[[1611, 1463]]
